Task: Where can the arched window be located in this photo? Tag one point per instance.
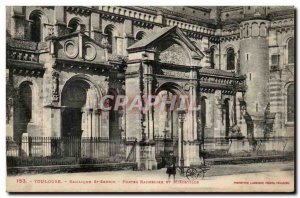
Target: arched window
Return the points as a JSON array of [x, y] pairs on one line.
[[255, 29], [36, 27], [230, 59], [140, 35], [25, 102], [109, 32], [263, 30], [290, 48], [246, 31], [290, 103], [212, 57], [74, 25]]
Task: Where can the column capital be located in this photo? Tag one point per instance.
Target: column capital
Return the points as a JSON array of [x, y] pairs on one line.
[[97, 111]]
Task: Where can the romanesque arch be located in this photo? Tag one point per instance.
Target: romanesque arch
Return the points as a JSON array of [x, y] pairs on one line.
[[74, 24], [289, 102], [140, 35], [23, 111], [110, 31], [37, 19], [79, 115]]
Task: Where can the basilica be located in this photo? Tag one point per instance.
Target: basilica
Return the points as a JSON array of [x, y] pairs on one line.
[[236, 64]]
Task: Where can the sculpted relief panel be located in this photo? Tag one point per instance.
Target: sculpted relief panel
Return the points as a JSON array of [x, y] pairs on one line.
[[174, 54], [177, 74]]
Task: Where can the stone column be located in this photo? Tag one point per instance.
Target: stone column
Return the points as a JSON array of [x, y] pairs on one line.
[[96, 27], [85, 123], [148, 79], [218, 114], [133, 115], [60, 23], [18, 23], [182, 143], [192, 146], [104, 118], [241, 110], [128, 35], [11, 93], [99, 123]]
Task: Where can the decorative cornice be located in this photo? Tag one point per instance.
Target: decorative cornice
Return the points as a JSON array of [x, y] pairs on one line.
[[113, 17], [81, 65], [214, 39], [143, 24], [78, 10], [193, 34], [22, 55], [25, 68], [232, 37], [284, 29]]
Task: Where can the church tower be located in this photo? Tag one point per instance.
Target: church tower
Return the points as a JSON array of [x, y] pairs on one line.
[[254, 59]]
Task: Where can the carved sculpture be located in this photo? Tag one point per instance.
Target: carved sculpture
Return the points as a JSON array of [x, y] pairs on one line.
[[55, 84]]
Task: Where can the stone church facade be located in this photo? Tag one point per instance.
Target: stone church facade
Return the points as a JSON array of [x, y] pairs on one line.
[[236, 63]]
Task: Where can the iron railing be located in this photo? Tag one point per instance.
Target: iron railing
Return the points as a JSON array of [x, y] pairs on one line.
[[36, 151]]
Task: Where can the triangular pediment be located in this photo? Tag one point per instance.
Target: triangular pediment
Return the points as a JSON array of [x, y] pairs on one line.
[[171, 43], [78, 47]]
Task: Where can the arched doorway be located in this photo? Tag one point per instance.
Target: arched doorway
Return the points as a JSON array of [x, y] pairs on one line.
[[167, 131], [78, 102], [73, 99], [23, 110]]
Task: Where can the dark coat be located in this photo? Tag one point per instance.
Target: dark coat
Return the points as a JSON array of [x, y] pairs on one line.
[[171, 165]]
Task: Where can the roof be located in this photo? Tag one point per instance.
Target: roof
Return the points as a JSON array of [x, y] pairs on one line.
[[149, 39], [160, 34], [25, 44]]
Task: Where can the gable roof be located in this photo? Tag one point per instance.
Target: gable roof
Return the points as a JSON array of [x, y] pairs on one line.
[[74, 34], [149, 39], [160, 34]]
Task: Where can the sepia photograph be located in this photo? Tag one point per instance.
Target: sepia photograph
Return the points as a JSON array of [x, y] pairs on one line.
[[150, 99]]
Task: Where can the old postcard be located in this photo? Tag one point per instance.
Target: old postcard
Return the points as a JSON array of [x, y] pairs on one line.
[[150, 98]]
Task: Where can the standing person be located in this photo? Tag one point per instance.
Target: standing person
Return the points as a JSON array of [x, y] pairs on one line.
[[171, 165]]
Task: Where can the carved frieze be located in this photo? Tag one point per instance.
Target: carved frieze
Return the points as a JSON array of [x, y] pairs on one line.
[[78, 10], [176, 74], [22, 55], [143, 24], [113, 17]]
